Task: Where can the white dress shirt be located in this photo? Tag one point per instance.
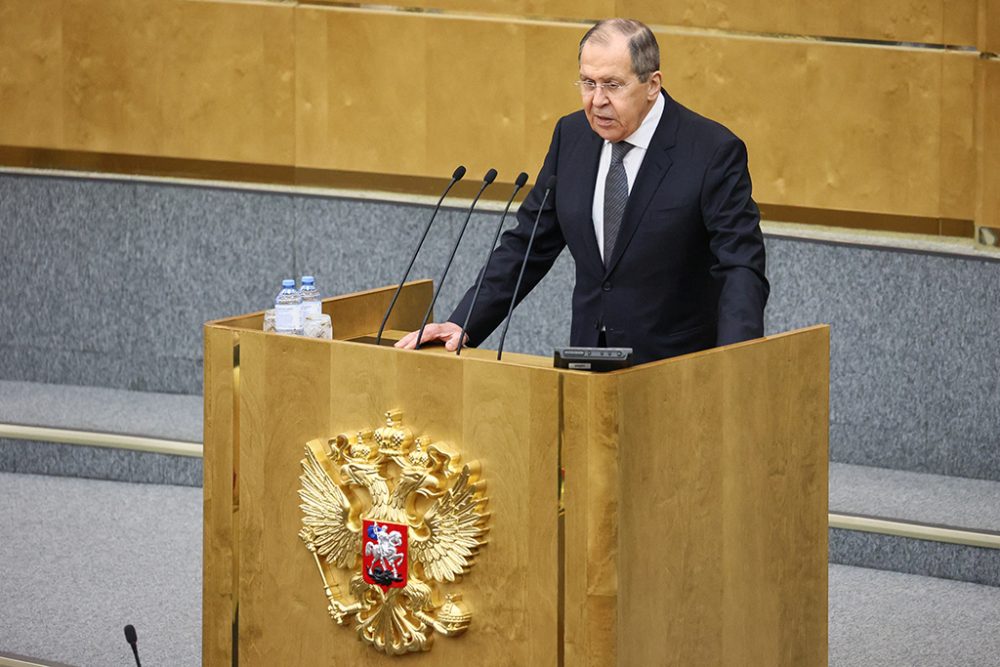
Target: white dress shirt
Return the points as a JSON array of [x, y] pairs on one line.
[[633, 160]]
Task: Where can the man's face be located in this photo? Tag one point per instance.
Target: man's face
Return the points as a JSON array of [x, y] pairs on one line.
[[617, 115]]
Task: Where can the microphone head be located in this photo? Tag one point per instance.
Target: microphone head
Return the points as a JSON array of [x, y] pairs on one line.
[[551, 183], [459, 173], [490, 176], [522, 178], [130, 635]]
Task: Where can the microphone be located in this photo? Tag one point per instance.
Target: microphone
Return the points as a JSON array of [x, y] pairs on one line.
[[549, 186], [132, 639], [522, 178], [455, 178], [487, 179]]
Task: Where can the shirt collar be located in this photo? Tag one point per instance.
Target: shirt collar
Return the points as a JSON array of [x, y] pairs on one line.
[[644, 134]]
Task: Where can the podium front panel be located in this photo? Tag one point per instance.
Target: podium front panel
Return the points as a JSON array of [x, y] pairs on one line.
[[504, 417]]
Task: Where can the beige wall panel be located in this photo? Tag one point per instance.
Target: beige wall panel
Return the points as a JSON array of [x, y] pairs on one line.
[[934, 21], [958, 140], [830, 125], [313, 88], [369, 71], [112, 56], [585, 10], [550, 69], [451, 91], [989, 26], [571, 9], [229, 82], [200, 80], [988, 158], [937, 21], [476, 100], [958, 22], [30, 73]]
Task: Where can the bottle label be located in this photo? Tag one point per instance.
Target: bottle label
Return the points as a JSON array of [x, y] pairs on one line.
[[286, 317], [311, 308]]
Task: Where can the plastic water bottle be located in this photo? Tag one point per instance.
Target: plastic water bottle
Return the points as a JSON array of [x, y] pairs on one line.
[[311, 303], [288, 309]]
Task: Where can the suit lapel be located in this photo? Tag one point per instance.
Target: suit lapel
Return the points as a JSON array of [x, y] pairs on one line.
[[581, 169], [655, 166]]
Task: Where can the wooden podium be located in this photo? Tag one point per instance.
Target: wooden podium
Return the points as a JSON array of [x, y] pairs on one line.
[[674, 513]]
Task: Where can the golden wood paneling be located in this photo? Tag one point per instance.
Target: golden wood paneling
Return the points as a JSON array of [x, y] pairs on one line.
[[313, 89], [988, 118], [551, 68], [337, 387], [228, 82], [722, 542], [361, 106], [590, 450], [989, 26], [957, 135], [284, 402], [31, 73], [828, 125], [837, 126], [452, 92], [695, 498], [204, 80], [112, 67], [476, 108], [218, 600], [293, 390], [988, 157], [935, 22]]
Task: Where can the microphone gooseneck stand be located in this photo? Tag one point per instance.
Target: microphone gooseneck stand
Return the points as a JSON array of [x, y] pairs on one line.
[[487, 179], [522, 178], [455, 178], [549, 186]]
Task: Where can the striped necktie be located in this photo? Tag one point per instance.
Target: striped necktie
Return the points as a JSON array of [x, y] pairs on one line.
[[615, 197]]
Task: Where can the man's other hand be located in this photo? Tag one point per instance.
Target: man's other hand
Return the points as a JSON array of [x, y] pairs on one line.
[[447, 332]]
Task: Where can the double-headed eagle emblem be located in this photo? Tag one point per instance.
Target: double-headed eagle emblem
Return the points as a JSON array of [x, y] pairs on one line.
[[403, 516]]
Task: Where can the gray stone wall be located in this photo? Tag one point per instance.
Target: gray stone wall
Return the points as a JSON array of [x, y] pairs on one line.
[[108, 283]]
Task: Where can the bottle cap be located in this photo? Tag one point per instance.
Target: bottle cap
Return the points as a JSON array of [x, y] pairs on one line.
[[308, 280], [288, 282]]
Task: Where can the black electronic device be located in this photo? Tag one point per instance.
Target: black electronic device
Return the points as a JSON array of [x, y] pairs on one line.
[[597, 359]]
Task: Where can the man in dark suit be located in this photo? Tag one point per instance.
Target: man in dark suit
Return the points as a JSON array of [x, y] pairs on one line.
[[654, 202]]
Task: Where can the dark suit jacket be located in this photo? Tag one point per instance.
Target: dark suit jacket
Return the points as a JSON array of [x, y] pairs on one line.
[[687, 272]]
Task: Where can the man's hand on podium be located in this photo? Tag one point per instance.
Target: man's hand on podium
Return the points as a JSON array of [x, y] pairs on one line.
[[447, 332]]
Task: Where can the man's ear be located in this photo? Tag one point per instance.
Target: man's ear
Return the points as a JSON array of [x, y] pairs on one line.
[[655, 83]]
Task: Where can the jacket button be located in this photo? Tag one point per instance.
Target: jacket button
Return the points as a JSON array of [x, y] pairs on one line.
[[606, 287]]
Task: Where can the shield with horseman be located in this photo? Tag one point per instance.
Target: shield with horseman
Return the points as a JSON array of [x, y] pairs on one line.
[[384, 548]]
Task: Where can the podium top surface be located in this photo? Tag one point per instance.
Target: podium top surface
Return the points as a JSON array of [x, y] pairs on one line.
[[356, 318]]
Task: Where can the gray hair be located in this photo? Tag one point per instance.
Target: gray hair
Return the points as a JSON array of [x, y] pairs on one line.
[[642, 44]]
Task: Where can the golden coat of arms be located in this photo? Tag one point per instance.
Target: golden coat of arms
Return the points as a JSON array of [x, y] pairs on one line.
[[404, 517]]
